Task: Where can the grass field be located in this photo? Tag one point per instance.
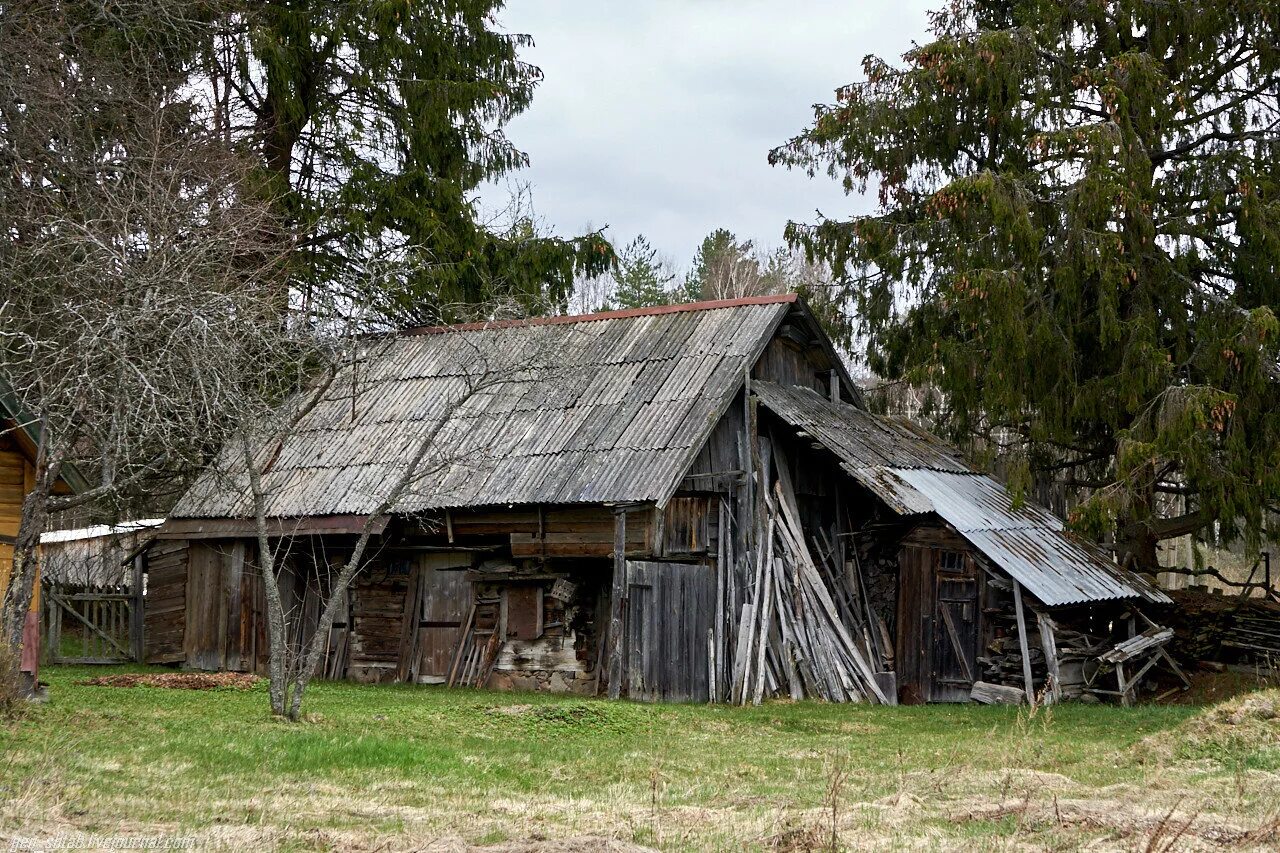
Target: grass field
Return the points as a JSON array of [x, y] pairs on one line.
[[389, 768]]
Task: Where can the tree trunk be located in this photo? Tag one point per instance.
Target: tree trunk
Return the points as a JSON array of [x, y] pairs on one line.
[[26, 563], [1138, 550]]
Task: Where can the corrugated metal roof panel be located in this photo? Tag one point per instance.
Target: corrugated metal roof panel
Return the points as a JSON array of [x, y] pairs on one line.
[[1029, 542], [858, 437], [592, 409], [915, 473]]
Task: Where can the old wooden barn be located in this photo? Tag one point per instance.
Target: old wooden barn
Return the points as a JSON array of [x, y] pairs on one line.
[[693, 504]]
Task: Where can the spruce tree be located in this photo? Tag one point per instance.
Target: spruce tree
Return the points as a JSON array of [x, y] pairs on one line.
[[375, 123], [1076, 245], [642, 279]]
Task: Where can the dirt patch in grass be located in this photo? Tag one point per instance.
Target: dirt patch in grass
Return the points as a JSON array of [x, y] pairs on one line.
[[564, 717], [177, 680], [1209, 686], [1244, 731]]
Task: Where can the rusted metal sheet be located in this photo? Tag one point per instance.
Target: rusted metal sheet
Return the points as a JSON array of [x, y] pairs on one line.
[[915, 473], [598, 409], [1029, 542]]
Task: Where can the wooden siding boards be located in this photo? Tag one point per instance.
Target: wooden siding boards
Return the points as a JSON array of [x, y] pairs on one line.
[[631, 403], [378, 621], [671, 608], [789, 363], [15, 478], [166, 602]]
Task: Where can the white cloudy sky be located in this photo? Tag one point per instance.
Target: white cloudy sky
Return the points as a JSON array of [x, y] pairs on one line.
[[657, 116]]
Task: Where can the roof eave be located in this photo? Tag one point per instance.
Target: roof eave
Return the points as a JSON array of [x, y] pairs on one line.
[[28, 427]]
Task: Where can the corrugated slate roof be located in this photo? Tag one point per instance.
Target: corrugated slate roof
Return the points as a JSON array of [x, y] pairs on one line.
[[915, 473], [596, 409]]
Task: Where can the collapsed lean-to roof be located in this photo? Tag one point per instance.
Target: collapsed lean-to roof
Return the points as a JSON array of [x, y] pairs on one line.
[[603, 408], [915, 473]]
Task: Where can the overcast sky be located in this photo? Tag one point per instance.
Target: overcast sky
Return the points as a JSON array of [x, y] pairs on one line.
[[657, 116]]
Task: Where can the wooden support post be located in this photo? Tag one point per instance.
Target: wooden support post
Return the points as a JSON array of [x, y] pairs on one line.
[[711, 665], [1022, 643], [1050, 645], [658, 533], [617, 603], [750, 449], [1177, 670], [137, 627], [723, 567], [55, 635]]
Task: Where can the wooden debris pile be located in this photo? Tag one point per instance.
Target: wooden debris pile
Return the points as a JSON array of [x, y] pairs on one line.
[[804, 628], [477, 652], [1227, 628], [1063, 663], [1050, 646]]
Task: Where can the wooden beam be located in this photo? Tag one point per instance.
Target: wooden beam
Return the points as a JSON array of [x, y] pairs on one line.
[[1022, 643], [617, 603], [995, 694], [1050, 645], [137, 629]]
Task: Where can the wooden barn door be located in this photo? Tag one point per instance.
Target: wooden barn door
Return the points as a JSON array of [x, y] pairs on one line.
[[671, 607], [938, 622], [955, 627], [164, 612], [445, 599]]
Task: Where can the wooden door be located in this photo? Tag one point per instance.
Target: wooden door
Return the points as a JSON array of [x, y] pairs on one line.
[[205, 631], [446, 598], [671, 607], [955, 627], [938, 624], [164, 613], [915, 620]]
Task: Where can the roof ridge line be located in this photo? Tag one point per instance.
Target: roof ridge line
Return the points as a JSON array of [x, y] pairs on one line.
[[625, 313]]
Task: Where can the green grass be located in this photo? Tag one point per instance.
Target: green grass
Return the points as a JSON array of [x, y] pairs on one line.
[[419, 762]]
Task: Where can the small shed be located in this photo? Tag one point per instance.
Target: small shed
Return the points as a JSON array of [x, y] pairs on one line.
[[966, 558]]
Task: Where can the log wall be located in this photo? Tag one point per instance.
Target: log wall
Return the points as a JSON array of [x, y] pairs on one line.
[[17, 476]]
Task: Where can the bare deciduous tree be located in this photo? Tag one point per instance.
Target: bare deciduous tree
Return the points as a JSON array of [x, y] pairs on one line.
[[490, 366], [134, 261]]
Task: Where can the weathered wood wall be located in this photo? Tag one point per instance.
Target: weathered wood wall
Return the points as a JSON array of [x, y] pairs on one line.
[[17, 476], [790, 362], [578, 532], [553, 621], [671, 612], [166, 604]]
